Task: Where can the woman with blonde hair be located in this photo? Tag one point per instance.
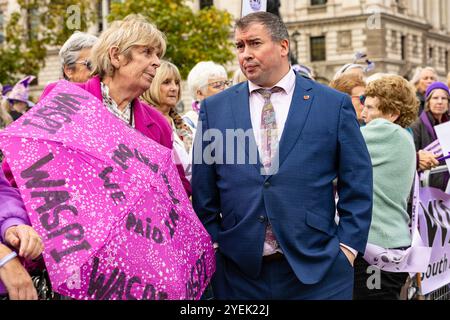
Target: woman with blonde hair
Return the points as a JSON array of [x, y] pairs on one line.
[[124, 63], [164, 94]]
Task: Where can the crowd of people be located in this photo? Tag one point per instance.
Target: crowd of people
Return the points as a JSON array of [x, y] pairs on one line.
[[272, 223]]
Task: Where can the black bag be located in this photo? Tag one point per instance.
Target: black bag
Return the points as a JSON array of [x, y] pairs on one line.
[[41, 282]]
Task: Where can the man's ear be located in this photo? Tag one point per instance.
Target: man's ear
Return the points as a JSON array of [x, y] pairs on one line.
[[284, 47], [114, 56]]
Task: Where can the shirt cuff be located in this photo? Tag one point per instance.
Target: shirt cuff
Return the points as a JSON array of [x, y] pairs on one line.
[[11, 222], [353, 251]]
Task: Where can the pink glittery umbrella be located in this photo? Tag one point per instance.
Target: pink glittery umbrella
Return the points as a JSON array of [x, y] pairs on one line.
[[107, 201]]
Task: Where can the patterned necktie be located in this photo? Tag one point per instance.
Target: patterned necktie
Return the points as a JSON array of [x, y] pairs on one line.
[[269, 130], [268, 148]]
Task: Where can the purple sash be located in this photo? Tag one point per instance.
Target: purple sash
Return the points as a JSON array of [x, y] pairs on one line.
[[426, 121]]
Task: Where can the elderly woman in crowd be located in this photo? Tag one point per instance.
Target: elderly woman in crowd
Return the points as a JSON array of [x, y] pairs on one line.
[[75, 56], [390, 106], [422, 79], [354, 86], [124, 61], [15, 233], [436, 112], [205, 79], [164, 94]]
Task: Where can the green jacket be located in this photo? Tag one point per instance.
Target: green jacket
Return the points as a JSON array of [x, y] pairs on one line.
[[393, 156]]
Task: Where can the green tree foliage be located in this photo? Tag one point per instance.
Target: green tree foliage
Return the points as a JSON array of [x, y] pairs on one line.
[[38, 25], [191, 36]]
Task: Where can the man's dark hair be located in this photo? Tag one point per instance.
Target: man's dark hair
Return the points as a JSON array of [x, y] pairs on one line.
[[273, 24]]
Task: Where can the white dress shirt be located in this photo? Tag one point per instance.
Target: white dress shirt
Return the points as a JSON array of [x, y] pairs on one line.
[[281, 102]]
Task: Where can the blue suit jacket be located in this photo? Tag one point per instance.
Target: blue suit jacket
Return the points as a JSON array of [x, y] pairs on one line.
[[321, 141]]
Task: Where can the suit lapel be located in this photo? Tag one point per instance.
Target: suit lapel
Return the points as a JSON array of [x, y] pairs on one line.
[[240, 106], [298, 113]]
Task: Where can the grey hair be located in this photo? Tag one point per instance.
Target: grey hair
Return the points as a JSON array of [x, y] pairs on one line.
[[201, 73], [417, 74], [274, 25], [70, 50]]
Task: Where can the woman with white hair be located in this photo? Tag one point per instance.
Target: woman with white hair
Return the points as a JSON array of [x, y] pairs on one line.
[[422, 79], [205, 80], [75, 56]]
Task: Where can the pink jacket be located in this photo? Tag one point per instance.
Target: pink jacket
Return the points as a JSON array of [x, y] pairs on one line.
[[148, 121]]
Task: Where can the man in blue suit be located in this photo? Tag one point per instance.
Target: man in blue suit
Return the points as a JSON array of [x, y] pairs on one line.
[[264, 164]]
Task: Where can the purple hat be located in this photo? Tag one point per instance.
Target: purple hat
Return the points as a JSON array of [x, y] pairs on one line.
[[6, 88], [434, 86], [20, 91]]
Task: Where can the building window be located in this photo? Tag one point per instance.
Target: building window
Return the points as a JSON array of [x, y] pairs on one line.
[[318, 49], [344, 40], [415, 41], [446, 61], [403, 47], [318, 2], [206, 4]]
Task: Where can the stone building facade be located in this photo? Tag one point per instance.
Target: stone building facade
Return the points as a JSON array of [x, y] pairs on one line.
[[398, 35]]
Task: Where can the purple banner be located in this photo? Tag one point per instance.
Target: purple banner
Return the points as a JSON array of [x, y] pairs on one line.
[[434, 226]]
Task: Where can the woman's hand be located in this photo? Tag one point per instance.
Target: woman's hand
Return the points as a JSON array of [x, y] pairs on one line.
[[427, 160], [16, 279], [25, 239]]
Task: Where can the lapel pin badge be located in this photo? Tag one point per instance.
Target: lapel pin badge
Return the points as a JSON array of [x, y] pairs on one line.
[[306, 97]]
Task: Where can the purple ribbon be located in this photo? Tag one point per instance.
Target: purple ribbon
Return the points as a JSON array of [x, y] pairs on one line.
[[426, 121]]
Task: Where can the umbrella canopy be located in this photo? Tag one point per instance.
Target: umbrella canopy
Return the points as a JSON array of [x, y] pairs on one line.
[[107, 201]]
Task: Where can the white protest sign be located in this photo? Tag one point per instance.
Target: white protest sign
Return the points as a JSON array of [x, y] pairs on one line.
[[250, 6], [443, 133]]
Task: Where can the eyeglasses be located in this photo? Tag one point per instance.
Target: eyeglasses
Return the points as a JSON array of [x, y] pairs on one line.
[[86, 63], [220, 84], [361, 99]]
